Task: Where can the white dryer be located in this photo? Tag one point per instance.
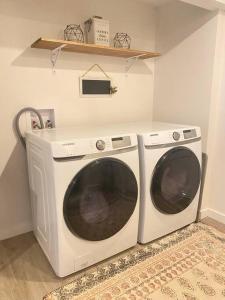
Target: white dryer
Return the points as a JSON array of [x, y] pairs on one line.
[[170, 165], [85, 194]]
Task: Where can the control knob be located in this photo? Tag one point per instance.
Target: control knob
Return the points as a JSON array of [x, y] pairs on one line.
[[176, 136], [100, 145]]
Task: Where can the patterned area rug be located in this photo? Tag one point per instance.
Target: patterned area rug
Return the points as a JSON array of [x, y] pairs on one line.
[[188, 264]]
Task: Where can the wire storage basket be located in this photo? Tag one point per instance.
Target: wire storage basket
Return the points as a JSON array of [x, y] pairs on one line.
[[73, 32], [122, 40]]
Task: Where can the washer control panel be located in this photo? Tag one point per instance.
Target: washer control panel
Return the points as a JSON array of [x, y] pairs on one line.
[[88, 146]]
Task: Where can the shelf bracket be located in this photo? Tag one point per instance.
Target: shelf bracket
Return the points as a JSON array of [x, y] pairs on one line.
[[131, 61], [55, 55]]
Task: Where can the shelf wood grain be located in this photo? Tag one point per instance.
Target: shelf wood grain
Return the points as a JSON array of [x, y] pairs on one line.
[[51, 44]]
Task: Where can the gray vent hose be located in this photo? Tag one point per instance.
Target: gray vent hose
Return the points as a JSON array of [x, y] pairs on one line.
[[17, 119]]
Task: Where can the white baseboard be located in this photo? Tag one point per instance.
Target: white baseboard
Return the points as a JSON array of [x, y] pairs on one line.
[[214, 214], [13, 231], [204, 213]]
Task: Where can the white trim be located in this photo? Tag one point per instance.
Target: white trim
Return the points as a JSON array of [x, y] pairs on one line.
[[214, 214], [17, 230], [204, 213]]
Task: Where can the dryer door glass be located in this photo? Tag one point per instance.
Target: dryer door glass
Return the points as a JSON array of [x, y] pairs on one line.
[[100, 199], [175, 181]]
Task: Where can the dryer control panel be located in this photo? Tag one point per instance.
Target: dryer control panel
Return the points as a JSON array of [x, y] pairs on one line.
[[171, 137], [81, 147]]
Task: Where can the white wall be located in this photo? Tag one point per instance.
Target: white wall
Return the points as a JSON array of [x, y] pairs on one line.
[[26, 80], [215, 180], [186, 35]]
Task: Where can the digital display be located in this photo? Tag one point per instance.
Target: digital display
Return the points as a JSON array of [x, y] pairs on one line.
[[95, 87], [187, 131], [189, 134], [120, 142], [117, 139]]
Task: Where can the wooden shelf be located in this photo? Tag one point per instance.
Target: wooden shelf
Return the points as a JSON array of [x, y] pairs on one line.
[[92, 49]]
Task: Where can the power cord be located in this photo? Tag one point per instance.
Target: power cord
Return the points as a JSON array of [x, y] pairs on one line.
[[17, 119]]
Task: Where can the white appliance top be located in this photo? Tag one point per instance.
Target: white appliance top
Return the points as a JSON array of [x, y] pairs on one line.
[[158, 133], [141, 127], [83, 140], [78, 141], [62, 134]]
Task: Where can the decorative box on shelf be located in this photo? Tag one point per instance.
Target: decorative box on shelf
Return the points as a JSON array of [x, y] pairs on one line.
[[97, 31]]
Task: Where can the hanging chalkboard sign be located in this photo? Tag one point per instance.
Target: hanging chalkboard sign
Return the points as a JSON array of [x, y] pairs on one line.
[[95, 87]]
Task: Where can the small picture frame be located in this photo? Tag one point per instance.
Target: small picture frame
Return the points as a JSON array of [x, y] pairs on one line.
[[95, 87]]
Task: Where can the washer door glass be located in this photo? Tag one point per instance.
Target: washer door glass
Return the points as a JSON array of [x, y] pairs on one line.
[[100, 199], [175, 180]]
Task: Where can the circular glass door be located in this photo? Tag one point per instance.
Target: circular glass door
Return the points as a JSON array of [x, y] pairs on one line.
[[100, 199], [175, 180]]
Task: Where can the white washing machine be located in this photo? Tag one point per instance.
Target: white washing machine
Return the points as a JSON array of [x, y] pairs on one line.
[[170, 166], [85, 194]]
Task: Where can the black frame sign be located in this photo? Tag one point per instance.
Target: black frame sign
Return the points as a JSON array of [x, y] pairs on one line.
[[95, 87]]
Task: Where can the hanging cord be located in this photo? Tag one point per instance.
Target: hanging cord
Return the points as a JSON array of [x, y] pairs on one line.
[[113, 89], [17, 119], [92, 67]]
